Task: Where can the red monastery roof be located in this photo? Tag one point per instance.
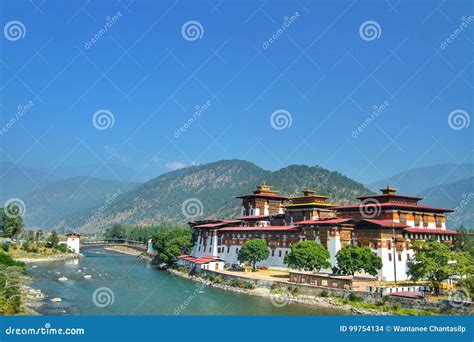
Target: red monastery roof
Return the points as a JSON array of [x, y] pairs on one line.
[[276, 196], [268, 228], [217, 224], [430, 231], [255, 217]]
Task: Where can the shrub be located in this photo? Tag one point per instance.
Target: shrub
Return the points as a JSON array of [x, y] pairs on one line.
[[294, 290], [5, 247], [324, 293], [353, 298], [63, 248], [215, 278], [249, 286]]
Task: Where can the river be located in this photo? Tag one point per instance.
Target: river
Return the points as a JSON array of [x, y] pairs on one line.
[[124, 285]]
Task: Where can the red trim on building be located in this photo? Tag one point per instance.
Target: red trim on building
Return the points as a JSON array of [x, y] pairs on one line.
[[394, 205], [385, 223], [323, 222], [268, 228], [430, 231]]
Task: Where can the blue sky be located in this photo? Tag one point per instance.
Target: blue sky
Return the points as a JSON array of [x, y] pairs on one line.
[[321, 71]]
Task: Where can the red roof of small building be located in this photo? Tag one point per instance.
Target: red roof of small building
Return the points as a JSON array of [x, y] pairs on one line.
[[267, 228], [414, 207], [430, 231]]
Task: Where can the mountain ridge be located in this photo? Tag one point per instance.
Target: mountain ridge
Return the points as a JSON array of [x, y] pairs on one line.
[[215, 185]]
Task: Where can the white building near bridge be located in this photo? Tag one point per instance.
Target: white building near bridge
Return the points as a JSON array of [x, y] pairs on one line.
[[73, 241]]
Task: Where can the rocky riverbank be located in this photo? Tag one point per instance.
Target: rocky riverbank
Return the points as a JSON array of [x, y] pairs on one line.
[[282, 299], [32, 299]]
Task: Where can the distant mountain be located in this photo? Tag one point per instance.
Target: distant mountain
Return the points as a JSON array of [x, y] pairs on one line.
[[108, 171], [16, 180], [50, 203], [215, 185], [458, 196], [414, 181]]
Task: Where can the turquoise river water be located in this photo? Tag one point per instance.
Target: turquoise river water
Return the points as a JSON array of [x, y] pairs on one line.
[[123, 285]]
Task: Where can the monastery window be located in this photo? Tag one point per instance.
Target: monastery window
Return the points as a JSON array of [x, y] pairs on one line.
[[403, 218], [228, 249], [389, 256], [279, 254], [399, 256], [439, 222], [273, 252], [425, 220], [417, 220]]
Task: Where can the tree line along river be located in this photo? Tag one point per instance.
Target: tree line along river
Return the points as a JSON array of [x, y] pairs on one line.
[[109, 283]]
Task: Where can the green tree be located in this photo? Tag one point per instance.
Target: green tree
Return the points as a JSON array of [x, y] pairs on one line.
[[118, 231], [463, 242], [11, 224], [435, 262], [352, 259], [170, 244], [307, 256], [53, 239], [253, 251]]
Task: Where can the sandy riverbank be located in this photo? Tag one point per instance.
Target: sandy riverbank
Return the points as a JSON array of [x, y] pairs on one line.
[[56, 257], [124, 250]]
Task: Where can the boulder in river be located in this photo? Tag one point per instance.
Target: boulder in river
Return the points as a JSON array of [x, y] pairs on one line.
[[56, 300], [87, 276], [62, 278]]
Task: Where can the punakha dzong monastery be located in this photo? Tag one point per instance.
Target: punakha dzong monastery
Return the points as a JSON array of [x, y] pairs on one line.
[[387, 223]]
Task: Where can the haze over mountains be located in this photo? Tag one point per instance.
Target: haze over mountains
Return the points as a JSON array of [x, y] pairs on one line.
[[56, 201], [413, 181]]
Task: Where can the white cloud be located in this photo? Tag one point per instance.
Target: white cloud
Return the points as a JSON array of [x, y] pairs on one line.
[[175, 165], [114, 152]]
